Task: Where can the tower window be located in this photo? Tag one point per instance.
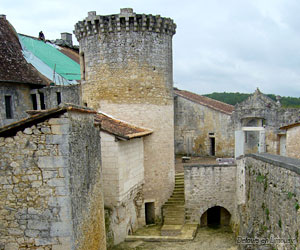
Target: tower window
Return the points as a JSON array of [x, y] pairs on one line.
[[8, 107], [82, 65], [58, 98]]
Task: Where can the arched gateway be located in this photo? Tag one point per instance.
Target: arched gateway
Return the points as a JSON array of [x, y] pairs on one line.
[[215, 216]]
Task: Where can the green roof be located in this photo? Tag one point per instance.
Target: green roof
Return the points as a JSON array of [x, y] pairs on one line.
[[51, 56]]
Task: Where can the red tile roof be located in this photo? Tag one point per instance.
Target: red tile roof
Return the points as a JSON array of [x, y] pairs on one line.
[[205, 101], [14, 67], [120, 128]]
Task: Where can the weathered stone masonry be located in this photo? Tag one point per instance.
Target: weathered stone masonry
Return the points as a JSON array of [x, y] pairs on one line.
[[127, 72], [272, 200], [50, 179], [207, 186]]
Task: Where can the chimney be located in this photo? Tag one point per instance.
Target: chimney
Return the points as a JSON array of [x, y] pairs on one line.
[[67, 37], [2, 16]]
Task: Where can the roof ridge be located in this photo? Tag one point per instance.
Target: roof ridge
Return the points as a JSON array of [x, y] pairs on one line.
[[200, 99]]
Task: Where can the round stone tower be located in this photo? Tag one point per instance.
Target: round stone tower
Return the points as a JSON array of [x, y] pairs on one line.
[[127, 72]]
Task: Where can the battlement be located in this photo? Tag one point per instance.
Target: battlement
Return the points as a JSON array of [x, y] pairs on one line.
[[126, 21]]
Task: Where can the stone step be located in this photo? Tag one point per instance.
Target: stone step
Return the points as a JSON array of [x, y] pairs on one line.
[[175, 214], [179, 208], [174, 203], [176, 198], [171, 230], [175, 221]]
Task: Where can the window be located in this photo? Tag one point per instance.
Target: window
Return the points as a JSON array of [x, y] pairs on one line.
[[34, 101], [58, 98], [42, 100], [8, 107], [82, 65]]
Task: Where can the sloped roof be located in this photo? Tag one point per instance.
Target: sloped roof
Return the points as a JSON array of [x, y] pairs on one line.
[[120, 128], [205, 101], [52, 57], [296, 124], [258, 101], [73, 54], [14, 67], [39, 116]]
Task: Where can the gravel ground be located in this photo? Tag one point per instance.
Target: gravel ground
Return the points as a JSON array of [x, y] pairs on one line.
[[206, 239]]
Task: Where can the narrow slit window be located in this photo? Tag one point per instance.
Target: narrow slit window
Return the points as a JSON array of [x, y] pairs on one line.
[[58, 98], [8, 107], [34, 101], [82, 65], [42, 100]]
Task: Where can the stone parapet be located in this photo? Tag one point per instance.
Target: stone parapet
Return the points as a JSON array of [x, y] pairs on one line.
[[126, 21]]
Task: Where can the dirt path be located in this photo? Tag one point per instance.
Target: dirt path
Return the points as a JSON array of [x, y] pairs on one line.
[[206, 239]]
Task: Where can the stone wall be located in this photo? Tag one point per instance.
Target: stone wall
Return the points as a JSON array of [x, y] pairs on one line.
[[20, 101], [50, 178], [123, 175], [196, 124], [159, 159], [69, 94], [272, 201], [207, 186], [52, 94]]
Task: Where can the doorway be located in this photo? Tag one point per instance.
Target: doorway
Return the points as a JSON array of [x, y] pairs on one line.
[[214, 216], [212, 146], [150, 213]]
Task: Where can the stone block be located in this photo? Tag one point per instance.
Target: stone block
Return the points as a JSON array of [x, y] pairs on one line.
[[60, 129], [52, 162], [58, 121], [57, 182], [31, 233], [15, 231], [11, 246], [46, 130], [62, 229], [38, 224], [45, 241], [57, 139]]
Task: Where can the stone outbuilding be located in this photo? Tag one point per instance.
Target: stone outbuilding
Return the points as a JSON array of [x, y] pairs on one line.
[[256, 124], [22, 86], [203, 126], [289, 143], [122, 150], [17, 77], [51, 182]]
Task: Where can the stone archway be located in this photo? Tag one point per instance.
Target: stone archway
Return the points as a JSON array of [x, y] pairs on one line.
[[215, 216]]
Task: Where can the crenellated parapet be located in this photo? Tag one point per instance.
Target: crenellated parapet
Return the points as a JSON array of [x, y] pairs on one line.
[[126, 21]]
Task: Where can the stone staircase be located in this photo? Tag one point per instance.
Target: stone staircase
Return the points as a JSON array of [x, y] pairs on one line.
[[174, 210]]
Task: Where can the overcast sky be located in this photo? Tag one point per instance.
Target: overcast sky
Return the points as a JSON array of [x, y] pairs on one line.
[[219, 45]]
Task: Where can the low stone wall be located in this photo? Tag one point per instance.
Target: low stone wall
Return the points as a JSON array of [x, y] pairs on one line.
[[50, 186], [208, 186], [272, 202]]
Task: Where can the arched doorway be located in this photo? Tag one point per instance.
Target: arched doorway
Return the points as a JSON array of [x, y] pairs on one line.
[[215, 216]]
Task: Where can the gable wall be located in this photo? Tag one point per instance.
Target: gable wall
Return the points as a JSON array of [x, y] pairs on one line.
[[194, 122]]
